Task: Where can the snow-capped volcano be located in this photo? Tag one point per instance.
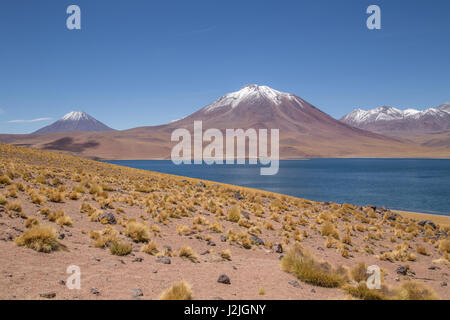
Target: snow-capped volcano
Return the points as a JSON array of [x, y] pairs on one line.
[[252, 94], [390, 119], [75, 121]]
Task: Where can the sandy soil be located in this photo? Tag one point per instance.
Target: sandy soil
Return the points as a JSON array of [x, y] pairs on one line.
[[27, 274]]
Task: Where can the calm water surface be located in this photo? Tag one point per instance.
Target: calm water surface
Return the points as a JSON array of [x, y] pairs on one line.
[[403, 184]]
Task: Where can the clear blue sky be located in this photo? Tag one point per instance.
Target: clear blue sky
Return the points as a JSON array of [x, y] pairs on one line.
[[146, 62]]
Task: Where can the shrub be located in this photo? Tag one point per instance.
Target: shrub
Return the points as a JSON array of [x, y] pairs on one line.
[[31, 222], [37, 199], [179, 291], [261, 291], [120, 249], [422, 250], [150, 248], [45, 211], [39, 238], [305, 267], [362, 292], [64, 221], [444, 245], [225, 254], [188, 253], [137, 231], [412, 290], [234, 214], [359, 273], [55, 215], [216, 227], [328, 229], [15, 206], [5, 180], [2, 200], [57, 196]]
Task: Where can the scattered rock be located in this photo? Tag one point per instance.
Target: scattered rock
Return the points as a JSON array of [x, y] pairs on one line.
[[443, 284], [201, 185], [108, 216], [313, 290], [110, 264], [223, 238], [95, 291], [320, 248], [235, 268], [163, 259], [211, 243], [278, 248], [238, 196], [204, 252], [137, 259], [217, 298], [97, 259], [281, 256], [423, 223], [61, 236], [245, 215], [295, 284], [402, 270], [48, 295], [434, 268], [121, 261], [168, 248], [257, 240], [397, 279], [62, 282], [137, 293], [155, 271], [223, 278], [68, 233]]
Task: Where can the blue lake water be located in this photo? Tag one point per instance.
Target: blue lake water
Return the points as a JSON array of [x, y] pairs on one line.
[[421, 185]]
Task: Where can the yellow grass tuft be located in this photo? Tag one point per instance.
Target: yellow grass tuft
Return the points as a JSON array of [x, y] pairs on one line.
[[137, 231], [179, 291], [39, 238], [120, 249], [188, 253], [304, 266]]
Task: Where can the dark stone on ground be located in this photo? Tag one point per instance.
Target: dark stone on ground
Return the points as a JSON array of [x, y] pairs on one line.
[[423, 223], [402, 270], [257, 240], [278, 248], [95, 291], [162, 259], [108, 216], [223, 278], [223, 238], [295, 284], [137, 293]]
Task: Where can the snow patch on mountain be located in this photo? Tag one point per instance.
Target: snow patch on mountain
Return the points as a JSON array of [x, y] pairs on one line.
[[252, 93]]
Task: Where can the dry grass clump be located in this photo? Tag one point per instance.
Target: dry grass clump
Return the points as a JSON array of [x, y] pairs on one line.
[[105, 237], [359, 272], [422, 250], [64, 221], [188, 253], [15, 206], [2, 200], [304, 266], [261, 291], [412, 290], [37, 199], [363, 292], [234, 214], [120, 248], [31, 222], [225, 254], [150, 248], [137, 231], [216, 227], [39, 238], [57, 196], [444, 246], [328, 229], [179, 291]]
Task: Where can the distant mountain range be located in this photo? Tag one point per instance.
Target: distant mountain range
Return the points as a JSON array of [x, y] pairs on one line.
[[389, 120], [75, 121], [305, 131]]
